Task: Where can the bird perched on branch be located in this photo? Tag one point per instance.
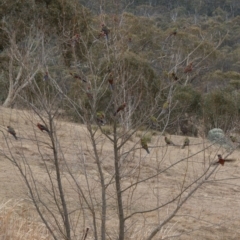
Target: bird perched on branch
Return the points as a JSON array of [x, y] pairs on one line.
[[222, 161], [45, 77], [76, 37], [43, 128], [105, 30], [174, 76], [165, 108], [78, 77], [153, 121], [233, 139], [144, 144], [110, 80], [129, 42], [12, 131], [188, 68], [168, 141], [89, 93], [101, 118], [120, 108], [173, 33], [186, 142]]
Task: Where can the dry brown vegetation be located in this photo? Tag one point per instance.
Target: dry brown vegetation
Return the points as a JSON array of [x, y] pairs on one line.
[[18, 221], [211, 213]]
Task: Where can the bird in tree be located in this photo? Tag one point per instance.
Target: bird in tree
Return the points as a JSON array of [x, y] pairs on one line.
[[76, 37], [120, 108], [144, 144], [188, 68], [12, 131], [222, 160], [101, 117], [174, 76], [45, 77], [129, 42], [105, 30], [186, 142], [153, 121], [166, 105], [110, 80], [173, 33], [165, 108], [78, 77], [89, 93], [168, 141], [43, 128], [233, 139]]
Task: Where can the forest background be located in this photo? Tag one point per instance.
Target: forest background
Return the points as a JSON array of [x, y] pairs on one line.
[[110, 81]]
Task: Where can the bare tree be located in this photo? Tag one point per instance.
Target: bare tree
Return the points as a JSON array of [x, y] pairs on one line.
[[24, 61]]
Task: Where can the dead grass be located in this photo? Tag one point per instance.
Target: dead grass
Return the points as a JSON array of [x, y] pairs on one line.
[[18, 222], [214, 206]]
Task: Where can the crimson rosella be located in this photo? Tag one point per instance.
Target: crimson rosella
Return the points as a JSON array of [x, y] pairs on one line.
[[188, 68], [43, 128], [222, 161], [120, 108]]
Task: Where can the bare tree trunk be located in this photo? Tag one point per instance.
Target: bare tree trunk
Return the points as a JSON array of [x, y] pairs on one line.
[[118, 185], [59, 182], [9, 100], [104, 203]]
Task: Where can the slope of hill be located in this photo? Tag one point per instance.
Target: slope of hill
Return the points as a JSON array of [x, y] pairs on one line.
[[211, 213]]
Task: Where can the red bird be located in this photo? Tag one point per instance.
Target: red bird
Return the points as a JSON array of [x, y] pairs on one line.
[[43, 128], [120, 108], [12, 131], [222, 161], [89, 93], [110, 80], [188, 68], [76, 37], [78, 77]]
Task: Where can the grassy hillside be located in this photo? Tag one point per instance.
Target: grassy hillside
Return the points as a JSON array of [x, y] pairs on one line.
[[212, 211]]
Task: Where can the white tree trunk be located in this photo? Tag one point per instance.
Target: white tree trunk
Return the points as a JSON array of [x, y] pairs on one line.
[[9, 100]]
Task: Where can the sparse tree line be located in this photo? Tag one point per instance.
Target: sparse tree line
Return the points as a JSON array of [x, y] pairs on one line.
[[175, 62]]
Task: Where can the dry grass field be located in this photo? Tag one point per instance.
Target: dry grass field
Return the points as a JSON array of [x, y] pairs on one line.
[[213, 212]]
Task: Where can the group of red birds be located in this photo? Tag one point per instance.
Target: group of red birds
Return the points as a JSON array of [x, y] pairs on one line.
[[11, 130], [105, 32], [40, 126]]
